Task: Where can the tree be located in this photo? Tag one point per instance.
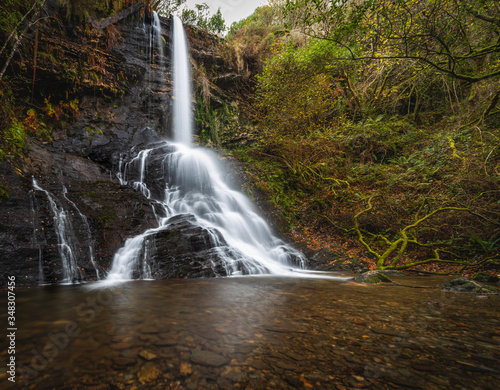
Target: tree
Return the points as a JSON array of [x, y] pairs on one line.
[[165, 7], [460, 38], [201, 18], [217, 23]]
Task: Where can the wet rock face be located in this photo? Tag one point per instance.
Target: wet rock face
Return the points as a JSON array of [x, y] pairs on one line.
[[124, 104], [29, 242], [84, 156], [109, 125], [185, 250]]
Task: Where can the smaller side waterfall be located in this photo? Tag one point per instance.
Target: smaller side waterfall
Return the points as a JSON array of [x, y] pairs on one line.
[[64, 232], [159, 38], [87, 231], [36, 232]]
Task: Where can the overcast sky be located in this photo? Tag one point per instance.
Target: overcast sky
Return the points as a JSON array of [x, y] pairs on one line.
[[232, 10]]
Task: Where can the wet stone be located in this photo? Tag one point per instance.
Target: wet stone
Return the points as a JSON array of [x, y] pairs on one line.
[[147, 355], [207, 358], [129, 353], [123, 361], [286, 366], [150, 338], [149, 329], [390, 332], [294, 381], [372, 277], [316, 377], [148, 372], [166, 342], [122, 345], [257, 364]]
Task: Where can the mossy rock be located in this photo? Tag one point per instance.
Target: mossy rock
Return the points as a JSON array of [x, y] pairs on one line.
[[484, 277], [372, 277], [467, 285]]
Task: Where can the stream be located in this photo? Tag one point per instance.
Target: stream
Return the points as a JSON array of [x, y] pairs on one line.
[[255, 332]]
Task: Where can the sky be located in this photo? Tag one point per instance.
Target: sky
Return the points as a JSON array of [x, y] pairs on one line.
[[232, 10]]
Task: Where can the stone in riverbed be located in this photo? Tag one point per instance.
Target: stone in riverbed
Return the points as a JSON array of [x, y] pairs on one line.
[[466, 285], [148, 372], [484, 277], [207, 358], [147, 355], [372, 277]]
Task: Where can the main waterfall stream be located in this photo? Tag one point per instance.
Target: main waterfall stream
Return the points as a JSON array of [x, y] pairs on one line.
[[187, 181]]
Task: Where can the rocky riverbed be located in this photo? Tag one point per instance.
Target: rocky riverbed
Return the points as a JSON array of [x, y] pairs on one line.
[[257, 333]]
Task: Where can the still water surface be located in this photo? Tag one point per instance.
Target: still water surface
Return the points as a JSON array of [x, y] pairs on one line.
[[255, 333]]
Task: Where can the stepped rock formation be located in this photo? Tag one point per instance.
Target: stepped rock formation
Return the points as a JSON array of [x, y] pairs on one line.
[[124, 93]]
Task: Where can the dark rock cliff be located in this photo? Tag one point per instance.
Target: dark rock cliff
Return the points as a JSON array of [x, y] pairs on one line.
[[66, 213], [124, 93]]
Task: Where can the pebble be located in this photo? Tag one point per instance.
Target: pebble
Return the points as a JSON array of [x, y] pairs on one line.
[[148, 372], [207, 358], [147, 355]]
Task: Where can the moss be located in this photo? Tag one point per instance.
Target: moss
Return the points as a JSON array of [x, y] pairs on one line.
[[372, 277], [483, 277], [466, 285], [4, 192], [106, 218]]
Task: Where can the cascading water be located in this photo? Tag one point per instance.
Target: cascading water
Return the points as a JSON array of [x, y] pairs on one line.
[[63, 227], [192, 185], [36, 231], [87, 231], [159, 39]]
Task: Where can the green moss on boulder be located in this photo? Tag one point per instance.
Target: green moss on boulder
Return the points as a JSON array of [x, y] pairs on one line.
[[372, 277]]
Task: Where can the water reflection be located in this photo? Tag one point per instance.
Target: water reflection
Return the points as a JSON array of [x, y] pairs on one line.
[[257, 332]]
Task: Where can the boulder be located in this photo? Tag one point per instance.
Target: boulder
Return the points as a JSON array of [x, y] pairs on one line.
[[372, 277], [466, 285], [184, 249]]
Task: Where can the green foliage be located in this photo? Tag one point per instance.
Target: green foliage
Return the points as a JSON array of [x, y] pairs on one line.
[[299, 90], [454, 37], [12, 140], [201, 18], [214, 122], [165, 7], [12, 132], [11, 13], [4, 192], [253, 39]]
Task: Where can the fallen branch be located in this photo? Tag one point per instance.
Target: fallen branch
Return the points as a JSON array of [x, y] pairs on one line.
[[397, 247], [119, 16]]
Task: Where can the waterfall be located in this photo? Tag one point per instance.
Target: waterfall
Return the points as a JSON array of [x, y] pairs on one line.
[[64, 233], [159, 38], [36, 232], [183, 122], [87, 231], [192, 185]]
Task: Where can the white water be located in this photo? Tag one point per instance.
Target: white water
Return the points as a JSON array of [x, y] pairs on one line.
[[87, 231], [64, 232], [36, 228], [183, 122], [192, 184], [159, 39]]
